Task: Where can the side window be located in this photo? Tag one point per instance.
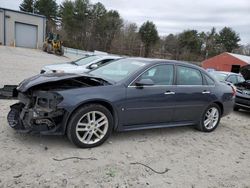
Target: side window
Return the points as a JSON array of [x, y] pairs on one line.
[[102, 62], [160, 75], [188, 76], [209, 80], [232, 79], [240, 79]]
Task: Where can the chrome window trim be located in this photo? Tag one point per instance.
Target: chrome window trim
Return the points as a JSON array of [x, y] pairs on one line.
[[195, 85], [154, 86], [176, 86], [130, 85]]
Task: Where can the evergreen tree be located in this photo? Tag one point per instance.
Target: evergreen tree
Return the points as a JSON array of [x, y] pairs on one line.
[[27, 6], [149, 36], [228, 38]]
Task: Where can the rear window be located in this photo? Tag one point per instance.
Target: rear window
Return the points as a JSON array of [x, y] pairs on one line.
[[220, 76], [232, 79]]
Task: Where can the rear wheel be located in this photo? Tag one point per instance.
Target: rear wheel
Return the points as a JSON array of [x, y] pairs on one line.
[[90, 126], [49, 48], [62, 51], [210, 119], [44, 47]]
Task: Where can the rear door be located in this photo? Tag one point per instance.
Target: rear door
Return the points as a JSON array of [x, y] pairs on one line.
[[192, 94]]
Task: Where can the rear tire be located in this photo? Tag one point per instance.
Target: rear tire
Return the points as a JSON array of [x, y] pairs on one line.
[[210, 118], [62, 51], [44, 47], [90, 126], [49, 48]]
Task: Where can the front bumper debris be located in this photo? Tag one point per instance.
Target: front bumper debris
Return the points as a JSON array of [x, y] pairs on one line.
[[26, 120], [8, 92], [36, 113]]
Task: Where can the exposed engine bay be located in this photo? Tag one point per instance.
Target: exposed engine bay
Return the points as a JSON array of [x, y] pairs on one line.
[[37, 109], [243, 85]]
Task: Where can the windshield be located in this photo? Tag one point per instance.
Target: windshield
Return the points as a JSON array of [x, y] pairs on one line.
[[86, 60], [118, 70], [220, 76]]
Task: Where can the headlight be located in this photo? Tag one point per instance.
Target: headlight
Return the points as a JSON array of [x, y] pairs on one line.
[[47, 99], [42, 102]]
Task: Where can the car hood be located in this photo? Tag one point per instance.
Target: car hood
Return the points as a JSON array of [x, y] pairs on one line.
[[47, 78], [245, 71]]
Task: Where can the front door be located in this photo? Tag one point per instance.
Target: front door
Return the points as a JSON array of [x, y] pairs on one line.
[[151, 104]]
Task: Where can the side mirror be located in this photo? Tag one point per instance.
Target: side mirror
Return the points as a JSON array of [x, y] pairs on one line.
[[144, 82], [93, 66]]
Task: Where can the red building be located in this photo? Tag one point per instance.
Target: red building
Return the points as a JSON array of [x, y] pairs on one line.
[[226, 62]]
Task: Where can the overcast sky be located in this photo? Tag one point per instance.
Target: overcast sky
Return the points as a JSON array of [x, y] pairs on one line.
[[173, 16]]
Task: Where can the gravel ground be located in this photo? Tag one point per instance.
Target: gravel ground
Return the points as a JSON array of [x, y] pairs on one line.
[[193, 159]]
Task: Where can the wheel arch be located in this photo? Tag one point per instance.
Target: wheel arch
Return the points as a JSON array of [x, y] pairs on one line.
[[102, 102], [220, 105]]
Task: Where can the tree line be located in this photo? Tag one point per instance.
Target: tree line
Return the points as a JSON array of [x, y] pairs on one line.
[[88, 26]]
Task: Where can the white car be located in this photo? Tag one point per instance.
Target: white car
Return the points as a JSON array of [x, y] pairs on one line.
[[82, 65]]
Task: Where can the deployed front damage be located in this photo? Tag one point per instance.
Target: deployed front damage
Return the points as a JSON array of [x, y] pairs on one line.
[[39, 96]]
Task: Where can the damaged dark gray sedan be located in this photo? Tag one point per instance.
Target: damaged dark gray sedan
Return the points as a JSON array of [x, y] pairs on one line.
[[127, 94]]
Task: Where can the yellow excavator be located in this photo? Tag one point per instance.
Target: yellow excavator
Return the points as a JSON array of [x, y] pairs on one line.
[[53, 44]]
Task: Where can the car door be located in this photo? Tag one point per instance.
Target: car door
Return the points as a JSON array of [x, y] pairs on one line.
[[151, 104], [191, 95]]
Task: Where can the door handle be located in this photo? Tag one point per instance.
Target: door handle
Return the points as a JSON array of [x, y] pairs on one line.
[[169, 93], [206, 92]]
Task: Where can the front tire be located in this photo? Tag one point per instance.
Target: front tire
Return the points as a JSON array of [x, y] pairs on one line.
[[90, 126], [210, 118]]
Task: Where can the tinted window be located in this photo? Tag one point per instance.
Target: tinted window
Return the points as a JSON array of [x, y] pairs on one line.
[[232, 79], [188, 76], [209, 80], [160, 75]]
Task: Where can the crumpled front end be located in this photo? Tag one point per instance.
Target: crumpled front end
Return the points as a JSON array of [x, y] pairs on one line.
[[38, 109], [37, 112]]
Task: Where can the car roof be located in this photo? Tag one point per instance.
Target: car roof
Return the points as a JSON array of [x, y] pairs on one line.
[[159, 61], [107, 56]]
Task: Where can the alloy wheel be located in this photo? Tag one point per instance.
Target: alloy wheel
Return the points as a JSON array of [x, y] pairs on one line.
[[211, 118], [92, 127]]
